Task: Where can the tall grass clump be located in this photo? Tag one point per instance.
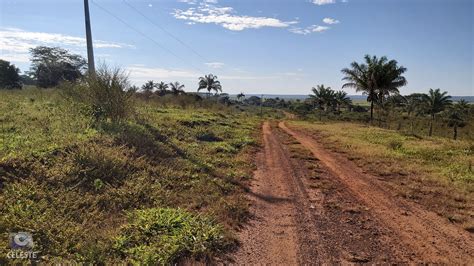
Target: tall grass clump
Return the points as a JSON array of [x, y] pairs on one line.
[[106, 95]]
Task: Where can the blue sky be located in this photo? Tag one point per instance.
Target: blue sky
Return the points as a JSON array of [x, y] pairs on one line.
[[255, 46]]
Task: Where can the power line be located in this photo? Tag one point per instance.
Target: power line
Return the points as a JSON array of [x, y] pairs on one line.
[[164, 30], [143, 34]]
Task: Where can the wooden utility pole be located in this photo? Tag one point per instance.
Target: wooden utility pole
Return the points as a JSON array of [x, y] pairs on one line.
[[90, 48]]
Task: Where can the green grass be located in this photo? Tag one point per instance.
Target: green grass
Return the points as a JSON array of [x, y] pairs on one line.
[[82, 189], [437, 171]]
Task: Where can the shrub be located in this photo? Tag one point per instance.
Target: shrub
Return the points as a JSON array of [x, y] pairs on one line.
[[107, 94], [207, 135], [395, 144], [163, 235]]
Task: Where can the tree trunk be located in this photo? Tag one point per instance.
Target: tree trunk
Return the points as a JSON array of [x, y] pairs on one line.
[[455, 137], [371, 111], [431, 125]]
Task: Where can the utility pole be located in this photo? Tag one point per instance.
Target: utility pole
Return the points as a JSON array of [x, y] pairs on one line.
[[261, 106], [90, 48]]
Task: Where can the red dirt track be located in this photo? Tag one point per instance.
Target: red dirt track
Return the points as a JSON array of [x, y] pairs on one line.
[[342, 215]]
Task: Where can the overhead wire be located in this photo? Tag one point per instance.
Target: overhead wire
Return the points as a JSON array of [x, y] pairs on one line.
[[144, 35]]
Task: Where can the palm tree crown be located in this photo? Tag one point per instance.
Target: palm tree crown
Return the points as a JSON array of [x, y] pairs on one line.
[[161, 88], [210, 83], [176, 88], [322, 96]]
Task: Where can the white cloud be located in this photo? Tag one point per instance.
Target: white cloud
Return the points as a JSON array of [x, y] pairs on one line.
[[189, 2], [15, 43], [310, 29], [140, 74], [331, 21], [224, 16], [323, 2], [215, 65]]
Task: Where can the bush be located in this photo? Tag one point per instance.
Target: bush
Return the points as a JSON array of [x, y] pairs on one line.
[[164, 235], [395, 144], [107, 94]]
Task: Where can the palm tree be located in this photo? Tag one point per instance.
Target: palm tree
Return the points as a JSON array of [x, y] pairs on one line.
[[412, 105], [148, 88], [210, 83], [376, 78], [176, 88], [240, 96], [435, 102], [389, 78], [457, 116], [323, 97], [341, 99], [161, 88]]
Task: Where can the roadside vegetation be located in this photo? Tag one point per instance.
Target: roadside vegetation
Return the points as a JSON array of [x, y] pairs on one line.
[[101, 171]]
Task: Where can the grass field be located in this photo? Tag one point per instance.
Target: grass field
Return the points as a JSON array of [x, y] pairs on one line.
[[165, 184], [437, 172]]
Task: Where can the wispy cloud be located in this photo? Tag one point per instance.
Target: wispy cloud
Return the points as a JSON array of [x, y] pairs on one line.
[[215, 65], [226, 17], [310, 29], [15, 43], [331, 21], [140, 74], [323, 2]]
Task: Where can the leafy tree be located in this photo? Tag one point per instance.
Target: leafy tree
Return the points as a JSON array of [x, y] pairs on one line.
[[209, 83], [240, 96], [27, 80], [435, 102], [254, 100], [9, 76], [161, 88], [51, 65], [176, 88]]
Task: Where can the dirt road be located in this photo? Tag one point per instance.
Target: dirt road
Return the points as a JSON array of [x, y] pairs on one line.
[[317, 207]]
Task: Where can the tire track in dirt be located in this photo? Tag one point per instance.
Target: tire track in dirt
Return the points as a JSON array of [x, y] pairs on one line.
[[299, 222], [430, 237], [282, 232]]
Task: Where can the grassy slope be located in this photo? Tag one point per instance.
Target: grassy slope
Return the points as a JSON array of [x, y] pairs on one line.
[[161, 186], [437, 172]]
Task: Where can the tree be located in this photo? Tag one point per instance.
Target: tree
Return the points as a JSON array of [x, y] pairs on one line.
[[161, 88], [413, 106], [209, 83], [9, 76], [148, 88], [51, 65], [341, 99], [457, 116], [176, 88], [240, 96], [435, 102], [389, 78], [376, 78], [322, 97]]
